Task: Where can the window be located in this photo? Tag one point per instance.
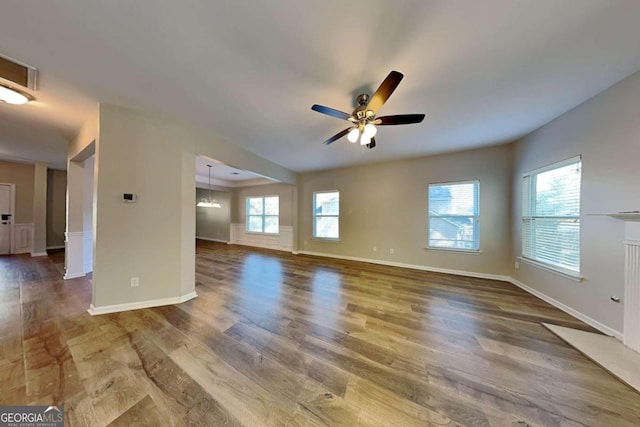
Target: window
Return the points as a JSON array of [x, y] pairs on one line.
[[551, 216], [262, 214], [326, 215], [453, 216]]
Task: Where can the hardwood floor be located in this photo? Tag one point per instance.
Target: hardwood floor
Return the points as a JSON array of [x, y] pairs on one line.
[[276, 339]]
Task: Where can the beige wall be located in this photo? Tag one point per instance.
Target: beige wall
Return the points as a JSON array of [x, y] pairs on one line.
[[22, 176], [214, 223], [56, 202], [385, 205], [153, 239], [284, 191], [138, 155], [605, 130]]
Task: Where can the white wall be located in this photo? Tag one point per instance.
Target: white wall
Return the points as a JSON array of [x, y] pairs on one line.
[[605, 130]]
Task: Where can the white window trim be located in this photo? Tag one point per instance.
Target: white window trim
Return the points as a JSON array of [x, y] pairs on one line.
[[247, 215], [476, 217], [569, 274], [313, 232], [552, 166], [463, 251]]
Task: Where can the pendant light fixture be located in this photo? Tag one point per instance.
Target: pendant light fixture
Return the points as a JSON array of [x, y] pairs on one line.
[[210, 202]]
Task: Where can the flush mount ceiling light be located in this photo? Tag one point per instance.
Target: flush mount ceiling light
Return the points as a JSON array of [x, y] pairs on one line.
[[13, 96], [210, 202]]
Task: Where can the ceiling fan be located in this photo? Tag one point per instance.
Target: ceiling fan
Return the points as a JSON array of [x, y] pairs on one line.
[[363, 118]]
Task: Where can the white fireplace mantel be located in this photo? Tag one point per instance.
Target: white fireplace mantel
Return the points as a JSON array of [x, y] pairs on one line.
[[625, 216], [631, 333]]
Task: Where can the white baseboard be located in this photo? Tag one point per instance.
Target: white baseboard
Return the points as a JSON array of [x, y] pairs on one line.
[[413, 266], [116, 308], [35, 254], [212, 240], [575, 313], [55, 247], [73, 276]]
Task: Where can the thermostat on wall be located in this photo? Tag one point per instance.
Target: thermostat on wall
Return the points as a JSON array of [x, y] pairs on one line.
[[129, 197]]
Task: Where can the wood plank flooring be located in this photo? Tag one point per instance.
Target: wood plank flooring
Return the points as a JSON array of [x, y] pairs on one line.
[[275, 339]]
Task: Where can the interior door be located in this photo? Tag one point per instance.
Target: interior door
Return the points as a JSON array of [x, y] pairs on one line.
[[5, 219]]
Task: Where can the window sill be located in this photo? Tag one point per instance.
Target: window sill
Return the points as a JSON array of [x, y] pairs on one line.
[[262, 234], [326, 239], [454, 250], [545, 267]]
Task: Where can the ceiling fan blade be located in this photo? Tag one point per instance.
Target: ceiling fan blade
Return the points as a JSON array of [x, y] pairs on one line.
[[337, 136], [331, 112], [372, 143], [401, 119], [384, 91]]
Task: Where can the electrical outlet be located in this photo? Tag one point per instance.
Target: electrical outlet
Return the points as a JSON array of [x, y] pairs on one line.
[[516, 265], [392, 251], [375, 248], [305, 242], [135, 282]]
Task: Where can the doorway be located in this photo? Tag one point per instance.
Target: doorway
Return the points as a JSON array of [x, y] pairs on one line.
[[7, 204]]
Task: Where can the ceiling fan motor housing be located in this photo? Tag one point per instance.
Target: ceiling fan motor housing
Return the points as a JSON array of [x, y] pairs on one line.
[[362, 99]]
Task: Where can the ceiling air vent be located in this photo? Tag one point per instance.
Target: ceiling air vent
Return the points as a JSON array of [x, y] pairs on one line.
[[17, 73]]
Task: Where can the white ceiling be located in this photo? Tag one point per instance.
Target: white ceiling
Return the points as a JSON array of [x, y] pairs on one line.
[[484, 72], [225, 176]]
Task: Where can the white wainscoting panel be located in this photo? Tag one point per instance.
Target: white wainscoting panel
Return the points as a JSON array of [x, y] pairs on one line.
[[22, 238], [74, 259], [283, 241], [87, 251]]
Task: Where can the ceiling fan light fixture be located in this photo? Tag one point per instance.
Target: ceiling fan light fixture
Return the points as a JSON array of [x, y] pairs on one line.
[[13, 96], [353, 135], [363, 118], [370, 130]]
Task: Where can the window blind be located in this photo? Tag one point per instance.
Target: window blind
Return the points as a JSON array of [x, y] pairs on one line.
[[551, 216]]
